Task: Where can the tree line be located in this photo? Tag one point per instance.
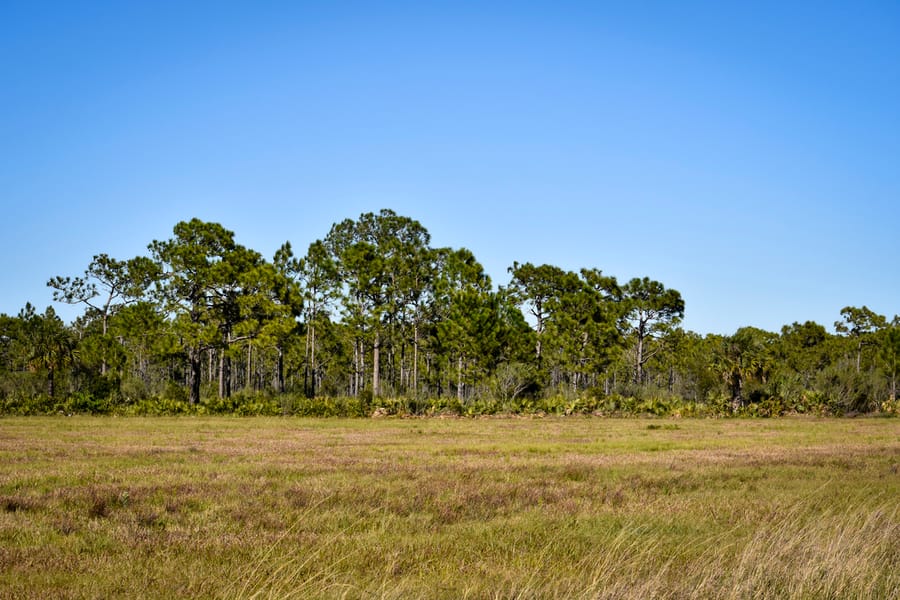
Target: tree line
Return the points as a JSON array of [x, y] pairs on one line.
[[372, 317]]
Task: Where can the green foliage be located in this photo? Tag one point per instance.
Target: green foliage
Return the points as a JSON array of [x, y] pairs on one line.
[[327, 406], [650, 311], [374, 321], [847, 391], [891, 407], [33, 404], [160, 407]]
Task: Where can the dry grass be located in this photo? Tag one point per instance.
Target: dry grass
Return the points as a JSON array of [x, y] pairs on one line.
[[488, 508]]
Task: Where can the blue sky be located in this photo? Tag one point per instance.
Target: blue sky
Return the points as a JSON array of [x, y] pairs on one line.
[[747, 156]]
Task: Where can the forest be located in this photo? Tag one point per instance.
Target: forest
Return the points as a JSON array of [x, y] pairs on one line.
[[373, 320]]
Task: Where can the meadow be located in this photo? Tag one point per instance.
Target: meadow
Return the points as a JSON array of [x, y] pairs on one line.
[[554, 507]]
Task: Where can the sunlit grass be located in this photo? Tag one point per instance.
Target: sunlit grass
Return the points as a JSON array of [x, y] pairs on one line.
[[497, 508]]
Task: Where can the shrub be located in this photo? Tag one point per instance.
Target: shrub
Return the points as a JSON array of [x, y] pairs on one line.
[[85, 403]]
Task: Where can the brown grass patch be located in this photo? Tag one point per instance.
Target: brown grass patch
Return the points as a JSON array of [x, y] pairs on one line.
[[551, 508]]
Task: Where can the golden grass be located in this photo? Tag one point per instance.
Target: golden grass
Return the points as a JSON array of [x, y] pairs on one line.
[[487, 508]]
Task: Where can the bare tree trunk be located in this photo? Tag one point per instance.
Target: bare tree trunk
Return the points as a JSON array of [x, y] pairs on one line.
[[248, 378], [228, 377], [357, 360], [538, 312], [361, 380], [459, 381], [103, 365], [415, 370], [221, 374], [894, 386], [312, 361], [306, 391], [737, 393], [279, 376], [355, 369], [376, 365], [403, 386], [196, 372], [360, 367], [639, 366], [224, 373]]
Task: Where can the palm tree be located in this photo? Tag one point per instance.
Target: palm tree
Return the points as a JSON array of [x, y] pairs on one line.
[[744, 356], [52, 345]]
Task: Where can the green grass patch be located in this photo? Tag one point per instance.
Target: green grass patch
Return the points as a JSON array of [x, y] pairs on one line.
[[223, 507]]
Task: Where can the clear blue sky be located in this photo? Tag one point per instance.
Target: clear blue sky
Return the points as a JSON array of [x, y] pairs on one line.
[[746, 154]]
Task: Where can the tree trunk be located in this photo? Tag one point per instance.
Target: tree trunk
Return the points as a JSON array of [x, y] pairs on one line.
[[354, 374], [403, 382], [221, 375], [639, 366], [392, 365], [248, 381], [312, 361], [459, 381], [224, 375], [354, 368], [893, 386], [279, 381], [103, 365], [306, 367], [195, 375], [376, 360], [737, 392], [228, 377], [415, 369], [359, 367]]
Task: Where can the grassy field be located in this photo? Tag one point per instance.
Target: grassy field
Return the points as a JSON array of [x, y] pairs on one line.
[[486, 508]]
